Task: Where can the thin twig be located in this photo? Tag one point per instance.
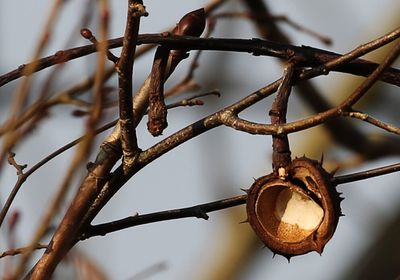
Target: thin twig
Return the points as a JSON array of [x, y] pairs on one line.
[[367, 118], [22, 250], [199, 211], [11, 160], [343, 179], [370, 81], [87, 34], [271, 18]]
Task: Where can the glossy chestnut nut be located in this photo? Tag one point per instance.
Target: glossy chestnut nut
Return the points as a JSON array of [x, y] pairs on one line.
[[296, 214]]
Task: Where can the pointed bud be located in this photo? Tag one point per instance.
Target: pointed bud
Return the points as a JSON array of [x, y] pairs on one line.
[[191, 24]]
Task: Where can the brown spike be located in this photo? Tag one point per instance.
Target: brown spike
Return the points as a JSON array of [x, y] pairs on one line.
[[288, 257]]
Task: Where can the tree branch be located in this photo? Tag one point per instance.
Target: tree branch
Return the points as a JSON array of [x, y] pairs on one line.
[[366, 174], [314, 56], [280, 143], [199, 211], [124, 69], [229, 118]]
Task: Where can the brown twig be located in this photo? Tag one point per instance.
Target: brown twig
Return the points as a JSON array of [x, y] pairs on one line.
[[87, 34], [343, 179], [22, 250], [157, 115], [165, 61], [11, 160], [275, 18], [199, 211], [281, 158], [367, 118], [256, 46], [124, 69]]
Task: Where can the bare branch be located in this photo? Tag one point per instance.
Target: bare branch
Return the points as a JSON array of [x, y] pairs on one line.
[[366, 174], [199, 211], [280, 143], [22, 250], [262, 19], [124, 69], [230, 119], [367, 118], [157, 114], [256, 46]]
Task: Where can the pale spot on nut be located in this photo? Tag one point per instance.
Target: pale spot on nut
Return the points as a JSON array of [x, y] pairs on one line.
[[282, 173]]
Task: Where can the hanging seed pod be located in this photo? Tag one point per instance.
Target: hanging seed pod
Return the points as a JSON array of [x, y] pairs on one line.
[[297, 214]]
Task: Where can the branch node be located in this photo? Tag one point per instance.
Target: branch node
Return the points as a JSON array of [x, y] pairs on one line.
[[11, 160]]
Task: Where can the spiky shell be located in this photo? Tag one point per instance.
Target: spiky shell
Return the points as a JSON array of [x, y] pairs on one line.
[[297, 214]]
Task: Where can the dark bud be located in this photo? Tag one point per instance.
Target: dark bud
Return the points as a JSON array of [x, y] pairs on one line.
[[192, 24], [86, 33]]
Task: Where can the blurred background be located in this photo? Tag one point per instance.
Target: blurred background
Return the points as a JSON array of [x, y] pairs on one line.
[[217, 164]]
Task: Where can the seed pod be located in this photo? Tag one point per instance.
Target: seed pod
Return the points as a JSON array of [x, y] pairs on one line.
[[298, 214]]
